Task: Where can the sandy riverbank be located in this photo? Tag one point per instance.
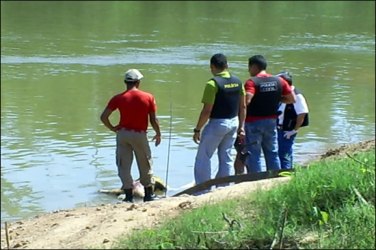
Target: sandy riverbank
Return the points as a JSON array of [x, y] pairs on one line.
[[101, 225]]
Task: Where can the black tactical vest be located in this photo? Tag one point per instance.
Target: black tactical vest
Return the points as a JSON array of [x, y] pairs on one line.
[[226, 104], [267, 98], [289, 116]]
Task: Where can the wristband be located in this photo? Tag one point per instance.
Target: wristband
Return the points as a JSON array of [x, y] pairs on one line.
[[196, 130]]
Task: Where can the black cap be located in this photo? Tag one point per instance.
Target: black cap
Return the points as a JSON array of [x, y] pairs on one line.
[[286, 76]]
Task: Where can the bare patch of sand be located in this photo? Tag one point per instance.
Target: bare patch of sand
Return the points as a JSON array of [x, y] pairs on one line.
[[100, 226]]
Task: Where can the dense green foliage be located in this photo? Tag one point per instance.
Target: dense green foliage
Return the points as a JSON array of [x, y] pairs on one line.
[[329, 205]]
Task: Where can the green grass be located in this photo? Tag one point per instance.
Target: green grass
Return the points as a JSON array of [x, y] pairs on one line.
[[329, 205]]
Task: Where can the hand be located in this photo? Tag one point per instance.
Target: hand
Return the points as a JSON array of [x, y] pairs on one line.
[[241, 134], [196, 137], [288, 134], [157, 139], [115, 129]]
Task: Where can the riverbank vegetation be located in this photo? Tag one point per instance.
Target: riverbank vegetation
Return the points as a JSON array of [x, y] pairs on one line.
[[328, 204]]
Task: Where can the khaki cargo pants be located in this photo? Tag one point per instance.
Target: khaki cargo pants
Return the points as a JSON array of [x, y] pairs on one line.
[[129, 143]]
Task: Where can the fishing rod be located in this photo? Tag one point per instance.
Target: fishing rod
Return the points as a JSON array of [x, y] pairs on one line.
[[169, 145]]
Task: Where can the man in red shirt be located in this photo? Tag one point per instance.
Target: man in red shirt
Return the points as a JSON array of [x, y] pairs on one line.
[[135, 107], [264, 93]]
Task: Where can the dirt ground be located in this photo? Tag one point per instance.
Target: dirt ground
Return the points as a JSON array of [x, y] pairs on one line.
[[100, 226]]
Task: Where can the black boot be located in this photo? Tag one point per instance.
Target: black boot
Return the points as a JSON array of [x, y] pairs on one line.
[[149, 194], [128, 195]]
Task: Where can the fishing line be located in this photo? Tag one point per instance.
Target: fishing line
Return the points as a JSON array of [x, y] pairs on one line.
[[169, 145]]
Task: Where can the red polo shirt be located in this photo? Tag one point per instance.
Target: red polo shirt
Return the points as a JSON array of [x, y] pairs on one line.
[[134, 107]]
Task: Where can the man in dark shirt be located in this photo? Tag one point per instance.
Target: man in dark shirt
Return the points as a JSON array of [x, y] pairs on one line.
[[264, 92]]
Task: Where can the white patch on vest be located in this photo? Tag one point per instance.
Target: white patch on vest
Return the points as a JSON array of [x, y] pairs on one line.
[[268, 86]]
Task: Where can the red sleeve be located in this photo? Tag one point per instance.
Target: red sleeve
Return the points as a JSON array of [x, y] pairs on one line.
[[250, 87], [286, 89], [113, 103]]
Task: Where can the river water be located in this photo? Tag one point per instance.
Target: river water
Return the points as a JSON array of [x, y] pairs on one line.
[[62, 61]]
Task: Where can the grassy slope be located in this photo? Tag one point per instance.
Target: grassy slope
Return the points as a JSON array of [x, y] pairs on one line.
[[329, 205]]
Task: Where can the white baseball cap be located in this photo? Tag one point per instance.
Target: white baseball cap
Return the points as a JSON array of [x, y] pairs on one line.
[[133, 75]]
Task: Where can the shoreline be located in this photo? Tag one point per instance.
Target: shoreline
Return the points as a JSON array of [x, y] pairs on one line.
[[100, 225]]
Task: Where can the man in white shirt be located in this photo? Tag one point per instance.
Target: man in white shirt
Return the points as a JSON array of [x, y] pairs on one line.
[[292, 117]]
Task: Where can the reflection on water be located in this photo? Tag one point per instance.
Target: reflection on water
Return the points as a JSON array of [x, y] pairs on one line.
[[57, 76], [190, 55]]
